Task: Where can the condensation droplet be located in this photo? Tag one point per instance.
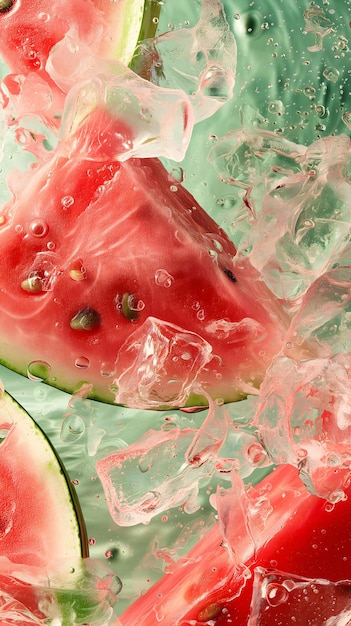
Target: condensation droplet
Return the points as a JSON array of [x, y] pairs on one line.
[[331, 74], [72, 428], [82, 362], [163, 278], [38, 371], [276, 594], [67, 201], [38, 228]]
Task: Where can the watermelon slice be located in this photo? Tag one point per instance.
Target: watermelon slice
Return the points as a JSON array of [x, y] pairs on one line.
[[111, 274], [276, 527], [41, 527], [29, 30]]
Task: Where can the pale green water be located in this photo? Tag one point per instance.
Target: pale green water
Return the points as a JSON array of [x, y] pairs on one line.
[[282, 86]]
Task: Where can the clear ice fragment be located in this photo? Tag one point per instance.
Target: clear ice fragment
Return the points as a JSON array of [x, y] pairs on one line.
[[66, 593], [159, 364], [131, 118], [304, 419], [151, 476], [284, 598], [201, 61]]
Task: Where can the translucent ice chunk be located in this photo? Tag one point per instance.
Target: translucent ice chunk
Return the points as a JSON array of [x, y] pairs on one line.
[[283, 598], [298, 204], [151, 476], [153, 372], [304, 418], [200, 61], [323, 321], [129, 117], [63, 594]]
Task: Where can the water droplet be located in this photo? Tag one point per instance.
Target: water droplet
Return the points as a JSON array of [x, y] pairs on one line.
[[321, 111], [346, 118], [331, 74], [276, 107], [163, 278], [18, 228], [38, 371], [38, 228], [178, 174], [51, 245], [72, 429], [216, 83], [82, 362], [67, 201], [92, 541], [276, 594]]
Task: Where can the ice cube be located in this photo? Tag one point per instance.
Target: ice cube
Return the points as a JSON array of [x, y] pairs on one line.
[[201, 61], [119, 116], [304, 418], [151, 476], [65, 593], [284, 598], [161, 362]]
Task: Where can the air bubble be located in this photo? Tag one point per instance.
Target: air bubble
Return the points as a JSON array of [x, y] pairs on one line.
[[276, 594], [331, 74]]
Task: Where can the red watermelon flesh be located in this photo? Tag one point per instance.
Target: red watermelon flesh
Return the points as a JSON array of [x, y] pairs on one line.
[[112, 274], [277, 526], [31, 29]]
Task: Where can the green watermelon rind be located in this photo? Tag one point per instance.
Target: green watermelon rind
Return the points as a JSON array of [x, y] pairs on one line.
[[54, 461]]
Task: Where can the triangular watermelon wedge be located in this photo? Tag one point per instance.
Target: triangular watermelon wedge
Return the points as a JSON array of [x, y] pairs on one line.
[[111, 274]]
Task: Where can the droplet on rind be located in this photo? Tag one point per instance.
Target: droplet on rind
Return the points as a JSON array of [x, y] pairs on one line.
[[82, 362], [86, 319], [38, 371]]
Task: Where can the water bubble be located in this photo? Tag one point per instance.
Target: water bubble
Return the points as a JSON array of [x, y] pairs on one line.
[[67, 201], [82, 362], [276, 107], [38, 228], [38, 371], [276, 594], [51, 245], [178, 174], [72, 428], [163, 278], [215, 83], [331, 74], [346, 118]]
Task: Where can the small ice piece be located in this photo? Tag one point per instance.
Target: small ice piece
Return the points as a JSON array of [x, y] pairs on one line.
[[116, 117], [298, 205], [323, 321], [304, 418], [284, 598], [201, 61], [151, 476], [64, 593], [317, 22], [159, 364]]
